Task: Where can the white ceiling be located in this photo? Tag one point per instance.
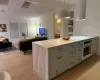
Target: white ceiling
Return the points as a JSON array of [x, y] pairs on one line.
[[13, 9]]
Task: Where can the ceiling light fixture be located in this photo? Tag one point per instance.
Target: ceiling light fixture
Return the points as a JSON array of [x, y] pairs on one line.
[[34, 2], [59, 21], [56, 16], [65, 13], [67, 17]]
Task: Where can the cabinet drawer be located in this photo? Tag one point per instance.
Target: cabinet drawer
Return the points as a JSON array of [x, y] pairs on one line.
[[94, 49], [73, 45], [63, 48], [72, 55], [78, 60], [95, 41], [72, 63], [79, 44], [79, 53], [58, 49]]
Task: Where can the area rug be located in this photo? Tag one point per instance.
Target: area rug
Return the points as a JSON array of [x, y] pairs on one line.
[[8, 50]]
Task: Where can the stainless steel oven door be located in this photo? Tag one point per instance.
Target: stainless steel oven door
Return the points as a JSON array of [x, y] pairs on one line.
[[86, 52]]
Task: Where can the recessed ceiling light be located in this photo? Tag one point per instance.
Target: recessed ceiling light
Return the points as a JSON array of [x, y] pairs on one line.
[[67, 17]]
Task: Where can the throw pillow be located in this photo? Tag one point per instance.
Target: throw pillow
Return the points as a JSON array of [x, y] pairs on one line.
[[4, 41], [1, 39]]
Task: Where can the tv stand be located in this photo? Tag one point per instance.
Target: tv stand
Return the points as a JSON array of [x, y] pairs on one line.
[[39, 36]]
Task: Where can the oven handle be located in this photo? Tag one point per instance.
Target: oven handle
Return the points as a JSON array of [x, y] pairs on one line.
[[87, 45]]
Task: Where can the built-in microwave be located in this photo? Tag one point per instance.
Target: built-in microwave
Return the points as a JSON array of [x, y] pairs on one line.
[[87, 49]]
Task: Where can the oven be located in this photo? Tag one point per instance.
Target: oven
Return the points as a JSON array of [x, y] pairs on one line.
[[87, 49]]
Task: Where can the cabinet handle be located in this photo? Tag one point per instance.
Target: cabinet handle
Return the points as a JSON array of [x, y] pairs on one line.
[[79, 50], [79, 59], [56, 72], [72, 52], [73, 46], [72, 62], [79, 43], [59, 57], [93, 44], [60, 49]]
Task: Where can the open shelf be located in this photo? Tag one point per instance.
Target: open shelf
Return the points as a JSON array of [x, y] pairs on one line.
[[71, 24]]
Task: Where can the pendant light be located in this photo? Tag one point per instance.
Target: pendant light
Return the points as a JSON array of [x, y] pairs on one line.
[[64, 13]]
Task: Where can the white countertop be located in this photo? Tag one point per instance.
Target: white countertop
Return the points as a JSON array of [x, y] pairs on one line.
[[60, 41]]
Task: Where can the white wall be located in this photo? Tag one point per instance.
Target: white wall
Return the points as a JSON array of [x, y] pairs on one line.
[[91, 26], [7, 21], [5, 34], [31, 22], [47, 21]]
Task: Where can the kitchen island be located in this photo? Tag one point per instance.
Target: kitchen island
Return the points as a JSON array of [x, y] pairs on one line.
[[53, 57]]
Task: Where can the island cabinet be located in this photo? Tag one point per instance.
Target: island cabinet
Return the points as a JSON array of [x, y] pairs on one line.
[[64, 57], [53, 57]]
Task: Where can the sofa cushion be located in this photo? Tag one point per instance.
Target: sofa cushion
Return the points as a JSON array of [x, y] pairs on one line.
[[1, 39], [4, 41], [27, 44]]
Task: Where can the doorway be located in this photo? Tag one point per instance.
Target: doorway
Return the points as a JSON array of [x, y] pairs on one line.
[[57, 24]]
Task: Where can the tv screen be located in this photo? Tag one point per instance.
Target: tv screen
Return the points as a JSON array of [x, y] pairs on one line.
[[42, 31]]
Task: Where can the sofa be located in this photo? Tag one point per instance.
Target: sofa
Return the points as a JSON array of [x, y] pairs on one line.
[[5, 44], [25, 45]]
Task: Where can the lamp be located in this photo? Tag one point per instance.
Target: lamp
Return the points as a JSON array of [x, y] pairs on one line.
[[59, 21], [56, 16], [24, 35], [65, 13]]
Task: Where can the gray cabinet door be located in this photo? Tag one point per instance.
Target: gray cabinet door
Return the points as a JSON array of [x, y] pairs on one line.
[[79, 54]]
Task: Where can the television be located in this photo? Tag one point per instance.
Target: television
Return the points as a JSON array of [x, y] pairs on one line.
[[42, 31]]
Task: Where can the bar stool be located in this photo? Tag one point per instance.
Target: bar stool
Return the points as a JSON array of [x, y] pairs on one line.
[[5, 76]]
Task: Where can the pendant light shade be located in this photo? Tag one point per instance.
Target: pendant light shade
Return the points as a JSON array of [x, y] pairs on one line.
[[81, 6], [64, 13]]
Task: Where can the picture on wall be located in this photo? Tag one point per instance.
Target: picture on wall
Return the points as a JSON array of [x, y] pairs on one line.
[[3, 28]]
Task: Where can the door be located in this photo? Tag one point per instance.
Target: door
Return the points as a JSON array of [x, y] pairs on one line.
[[57, 24], [94, 49], [79, 54], [63, 62], [59, 62]]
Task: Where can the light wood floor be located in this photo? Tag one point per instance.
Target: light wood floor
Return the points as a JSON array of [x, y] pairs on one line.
[[20, 68]]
